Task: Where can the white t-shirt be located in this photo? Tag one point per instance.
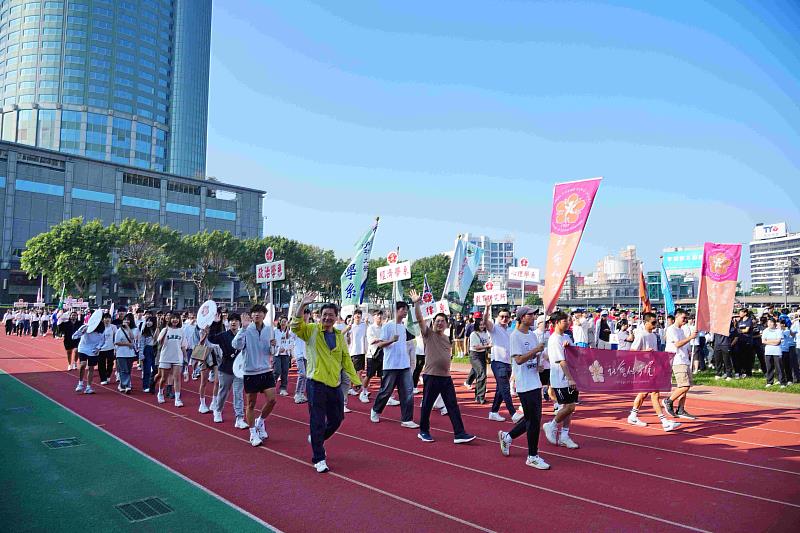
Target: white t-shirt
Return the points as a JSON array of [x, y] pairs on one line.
[[358, 339], [622, 336], [108, 335], [644, 341], [527, 373], [501, 344], [373, 334], [395, 356], [124, 351], [673, 335], [771, 335], [299, 347], [171, 346], [283, 342], [555, 353], [542, 336], [580, 330]]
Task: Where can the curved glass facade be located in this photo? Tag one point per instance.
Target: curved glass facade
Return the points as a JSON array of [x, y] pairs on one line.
[[108, 79]]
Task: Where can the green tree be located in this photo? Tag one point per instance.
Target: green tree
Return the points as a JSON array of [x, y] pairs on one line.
[[206, 256], [71, 254], [147, 252], [760, 289], [251, 253], [533, 299]]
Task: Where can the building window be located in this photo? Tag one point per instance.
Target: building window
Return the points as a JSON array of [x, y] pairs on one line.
[[46, 133], [121, 140], [143, 181], [26, 127], [185, 188]]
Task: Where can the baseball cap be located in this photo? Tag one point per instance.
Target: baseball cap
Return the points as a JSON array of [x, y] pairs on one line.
[[524, 310], [540, 319], [603, 313], [477, 314]]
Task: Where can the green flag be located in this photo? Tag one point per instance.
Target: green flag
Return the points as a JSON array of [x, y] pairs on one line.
[[354, 277]]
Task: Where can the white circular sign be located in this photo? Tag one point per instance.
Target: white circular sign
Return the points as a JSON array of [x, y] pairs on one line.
[[523, 262], [206, 314], [269, 254], [238, 366], [488, 285], [94, 320], [391, 258]]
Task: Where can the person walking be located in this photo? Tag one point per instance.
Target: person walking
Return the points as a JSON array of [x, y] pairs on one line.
[[227, 380], [105, 364], [374, 361], [88, 350], [172, 353], [479, 342], [282, 359], [126, 346], [501, 362], [149, 333], [561, 384], [68, 328], [677, 344]]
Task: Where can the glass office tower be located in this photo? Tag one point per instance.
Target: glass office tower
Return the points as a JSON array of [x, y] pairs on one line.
[[123, 81]]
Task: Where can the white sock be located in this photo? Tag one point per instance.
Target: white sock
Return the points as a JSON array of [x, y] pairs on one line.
[[565, 432], [177, 395], [253, 432], [259, 422], [507, 438], [202, 402]]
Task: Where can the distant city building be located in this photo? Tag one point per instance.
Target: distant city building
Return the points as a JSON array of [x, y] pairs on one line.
[[125, 82], [497, 257], [682, 287], [615, 276], [774, 257]]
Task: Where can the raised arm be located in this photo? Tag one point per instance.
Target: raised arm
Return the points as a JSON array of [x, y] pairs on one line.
[[487, 318], [415, 298]]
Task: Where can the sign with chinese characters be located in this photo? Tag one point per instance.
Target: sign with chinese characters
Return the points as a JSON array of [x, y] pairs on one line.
[[524, 274], [20, 303], [490, 298], [269, 254], [267, 272], [613, 371], [429, 310], [395, 272]]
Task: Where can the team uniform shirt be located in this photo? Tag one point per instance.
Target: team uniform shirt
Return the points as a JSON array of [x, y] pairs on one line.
[[395, 356], [555, 353], [108, 338], [373, 334], [357, 339], [580, 331], [255, 347], [644, 341], [527, 374], [125, 351], [772, 335], [171, 344], [437, 353], [501, 344], [674, 335]]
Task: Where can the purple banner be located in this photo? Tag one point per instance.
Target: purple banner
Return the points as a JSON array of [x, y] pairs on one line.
[[619, 370]]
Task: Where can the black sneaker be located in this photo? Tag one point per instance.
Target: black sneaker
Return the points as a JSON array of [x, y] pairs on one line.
[[667, 403], [682, 413]]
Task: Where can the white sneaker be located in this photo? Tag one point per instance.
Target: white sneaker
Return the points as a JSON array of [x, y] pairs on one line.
[[537, 462], [283, 393], [178, 402], [160, 397], [443, 411], [496, 417], [321, 467], [550, 431], [768, 385], [88, 390], [240, 424], [203, 409], [505, 447], [634, 421], [351, 392], [300, 398], [415, 391], [217, 416], [410, 424], [374, 417], [347, 409], [467, 386], [69, 367], [262, 431], [116, 375], [79, 387], [669, 425], [729, 378], [186, 378], [104, 382], [717, 378], [567, 442], [255, 440], [392, 401], [736, 376], [519, 415], [363, 397]]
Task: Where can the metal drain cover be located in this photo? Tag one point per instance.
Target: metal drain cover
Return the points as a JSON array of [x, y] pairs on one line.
[[144, 509], [69, 442]]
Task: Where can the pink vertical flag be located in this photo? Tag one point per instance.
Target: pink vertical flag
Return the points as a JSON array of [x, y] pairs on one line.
[[571, 205], [718, 275]]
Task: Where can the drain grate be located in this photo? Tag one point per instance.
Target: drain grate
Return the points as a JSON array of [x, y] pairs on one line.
[[144, 509], [69, 442]]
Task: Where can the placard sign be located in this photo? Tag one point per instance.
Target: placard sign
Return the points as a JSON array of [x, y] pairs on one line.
[[267, 272], [395, 272], [491, 298], [524, 274]]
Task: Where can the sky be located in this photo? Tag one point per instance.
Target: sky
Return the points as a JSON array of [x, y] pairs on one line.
[[459, 116]]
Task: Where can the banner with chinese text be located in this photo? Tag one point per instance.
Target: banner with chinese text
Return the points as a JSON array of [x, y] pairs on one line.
[[572, 203], [466, 258], [717, 291], [354, 277], [619, 371]]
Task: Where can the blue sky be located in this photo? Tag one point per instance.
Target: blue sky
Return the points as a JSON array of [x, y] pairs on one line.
[[447, 117]]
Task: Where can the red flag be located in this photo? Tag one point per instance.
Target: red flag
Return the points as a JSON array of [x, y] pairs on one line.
[[717, 292], [571, 205], [646, 308]]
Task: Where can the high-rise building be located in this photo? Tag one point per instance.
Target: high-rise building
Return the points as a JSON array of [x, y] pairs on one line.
[[774, 257], [498, 255], [122, 81]]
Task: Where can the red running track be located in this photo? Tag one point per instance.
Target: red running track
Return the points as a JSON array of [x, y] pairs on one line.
[[737, 468]]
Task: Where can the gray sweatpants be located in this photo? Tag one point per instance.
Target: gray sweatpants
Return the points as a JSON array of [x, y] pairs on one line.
[[301, 376], [226, 381]]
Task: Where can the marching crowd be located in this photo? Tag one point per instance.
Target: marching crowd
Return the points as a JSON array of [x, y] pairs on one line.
[[248, 357]]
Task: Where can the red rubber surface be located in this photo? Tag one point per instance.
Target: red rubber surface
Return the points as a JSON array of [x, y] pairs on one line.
[[737, 468]]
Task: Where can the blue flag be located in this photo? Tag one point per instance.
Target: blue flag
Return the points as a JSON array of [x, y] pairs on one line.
[[466, 259], [669, 303]]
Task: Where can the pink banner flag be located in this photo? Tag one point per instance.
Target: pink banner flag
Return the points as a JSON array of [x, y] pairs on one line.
[[571, 205], [608, 371], [717, 292]]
